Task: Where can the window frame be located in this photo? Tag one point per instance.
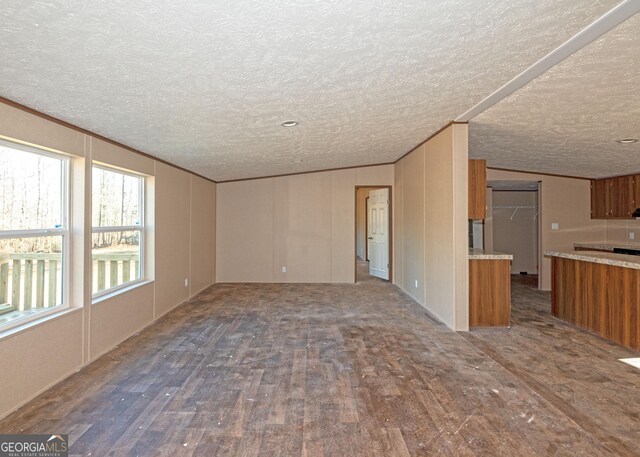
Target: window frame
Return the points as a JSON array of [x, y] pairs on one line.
[[63, 232], [141, 228]]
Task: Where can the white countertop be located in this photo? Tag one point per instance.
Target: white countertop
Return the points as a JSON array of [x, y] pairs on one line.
[[607, 246], [606, 258], [475, 253]]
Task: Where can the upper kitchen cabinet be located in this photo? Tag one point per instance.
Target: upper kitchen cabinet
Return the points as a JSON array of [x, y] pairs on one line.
[[477, 189], [615, 198], [622, 201], [599, 199]]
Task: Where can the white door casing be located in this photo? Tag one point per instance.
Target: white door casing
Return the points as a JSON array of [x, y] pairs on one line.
[[378, 236]]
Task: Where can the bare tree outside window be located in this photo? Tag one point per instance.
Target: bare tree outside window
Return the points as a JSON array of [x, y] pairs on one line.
[[117, 228], [32, 231]]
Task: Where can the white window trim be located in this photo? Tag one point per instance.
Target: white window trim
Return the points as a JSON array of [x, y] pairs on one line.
[[34, 233], [111, 291]]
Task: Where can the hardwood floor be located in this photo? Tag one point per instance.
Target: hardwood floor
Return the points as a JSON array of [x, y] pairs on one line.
[[335, 370]]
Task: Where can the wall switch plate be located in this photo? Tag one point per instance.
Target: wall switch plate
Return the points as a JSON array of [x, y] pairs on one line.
[[555, 226], [416, 283], [186, 282], [632, 235], [284, 269]]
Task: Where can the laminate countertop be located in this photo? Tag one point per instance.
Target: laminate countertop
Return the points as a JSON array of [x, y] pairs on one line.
[[605, 258], [481, 254], [606, 246]]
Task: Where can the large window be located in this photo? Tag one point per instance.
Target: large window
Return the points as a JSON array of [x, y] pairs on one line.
[[118, 229], [33, 231]]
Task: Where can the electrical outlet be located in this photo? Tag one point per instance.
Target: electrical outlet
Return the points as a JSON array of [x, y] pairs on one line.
[[632, 235], [416, 283], [186, 282], [284, 269], [555, 226]]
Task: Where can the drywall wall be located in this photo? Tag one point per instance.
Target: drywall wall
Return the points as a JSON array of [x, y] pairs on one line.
[[304, 223], [173, 188], [430, 225], [108, 327], [413, 220], [515, 222], [488, 222], [181, 232], [302, 228], [22, 126], [398, 225], [244, 248], [36, 359], [620, 231], [565, 201], [202, 246]]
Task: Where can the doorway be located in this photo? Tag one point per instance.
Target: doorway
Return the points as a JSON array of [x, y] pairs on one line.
[[515, 228], [373, 227]]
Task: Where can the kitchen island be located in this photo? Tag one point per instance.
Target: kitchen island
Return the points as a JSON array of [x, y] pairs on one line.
[[598, 291], [605, 246], [489, 288]]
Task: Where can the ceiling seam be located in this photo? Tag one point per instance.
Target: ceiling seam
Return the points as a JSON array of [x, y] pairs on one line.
[[593, 31]]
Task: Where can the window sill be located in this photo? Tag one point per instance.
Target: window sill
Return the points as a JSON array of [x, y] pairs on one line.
[[121, 290], [37, 321]]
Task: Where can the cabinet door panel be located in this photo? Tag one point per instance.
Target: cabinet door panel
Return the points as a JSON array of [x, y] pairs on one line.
[[636, 192], [477, 189], [599, 198], [621, 196]]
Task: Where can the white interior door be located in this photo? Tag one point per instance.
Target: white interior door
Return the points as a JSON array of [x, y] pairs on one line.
[[378, 236]]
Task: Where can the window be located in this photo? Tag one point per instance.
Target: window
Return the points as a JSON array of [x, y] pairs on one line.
[[33, 232], [118, 229]]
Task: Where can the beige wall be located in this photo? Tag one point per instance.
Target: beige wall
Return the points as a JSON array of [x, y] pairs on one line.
[[202, 247], [181, 235], [430, 226], [398, 225], [619, 231], [566, 201], [488, 222], [412, 220], [515, 228], [305, 223], [173, 221]]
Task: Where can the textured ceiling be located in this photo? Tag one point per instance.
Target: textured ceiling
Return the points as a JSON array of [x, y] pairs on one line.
[[206, 84], [567, 121], [513, 185]]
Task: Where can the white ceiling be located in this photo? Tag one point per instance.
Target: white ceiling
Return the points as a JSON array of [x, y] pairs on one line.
[[206, 84], [567, 121]]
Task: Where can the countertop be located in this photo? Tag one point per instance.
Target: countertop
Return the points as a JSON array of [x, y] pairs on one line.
[[607, 246], [475, 253], [606, 258]]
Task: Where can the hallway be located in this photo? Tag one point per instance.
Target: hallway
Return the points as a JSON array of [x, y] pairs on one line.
[[334, 370]]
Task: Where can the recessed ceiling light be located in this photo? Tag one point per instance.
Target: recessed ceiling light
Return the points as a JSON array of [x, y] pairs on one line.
[[289, 123], [627, 140]]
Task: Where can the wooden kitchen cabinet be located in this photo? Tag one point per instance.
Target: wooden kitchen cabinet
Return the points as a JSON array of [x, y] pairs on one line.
[[621, 196], [615, 198], [599, 199], [602, 298], [636, 192], [477, 189], [489, 292]]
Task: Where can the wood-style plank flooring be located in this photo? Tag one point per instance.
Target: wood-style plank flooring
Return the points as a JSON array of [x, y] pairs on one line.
[[345, 370]]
